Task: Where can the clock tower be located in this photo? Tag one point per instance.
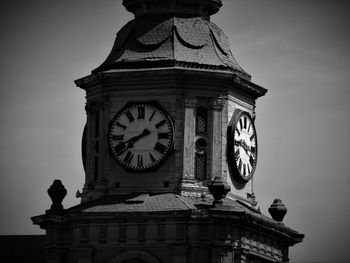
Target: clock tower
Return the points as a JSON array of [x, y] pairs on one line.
[[170, 150]]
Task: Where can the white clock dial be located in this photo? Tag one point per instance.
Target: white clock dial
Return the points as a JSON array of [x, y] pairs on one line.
[[141, 136], [243, 158]]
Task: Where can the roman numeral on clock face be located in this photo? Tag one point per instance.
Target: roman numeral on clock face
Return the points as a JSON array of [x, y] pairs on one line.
[[118, 137], [238, 132], [252, 161], [152, 115], [141, 112], [160, 147], [130, 117], [139, 160], [236, 155], [128, 158], [119, 148], [250, 125], [152, 158], [120, 125], [163, 135], [253, 149], [160, 124]]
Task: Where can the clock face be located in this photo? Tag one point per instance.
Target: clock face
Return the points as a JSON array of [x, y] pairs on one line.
[[141, 136], [243, 148]]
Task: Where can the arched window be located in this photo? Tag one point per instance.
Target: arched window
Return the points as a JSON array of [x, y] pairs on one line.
[[135, 256]]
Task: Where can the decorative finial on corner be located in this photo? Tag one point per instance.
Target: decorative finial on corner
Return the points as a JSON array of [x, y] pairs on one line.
[[277, 210], [219, 189], [57, 192]]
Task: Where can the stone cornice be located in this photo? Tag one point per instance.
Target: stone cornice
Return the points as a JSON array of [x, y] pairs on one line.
[[177, 75], [261, 223]]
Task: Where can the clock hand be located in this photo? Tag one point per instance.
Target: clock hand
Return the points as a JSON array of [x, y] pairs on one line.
[[250, 151], [238, 143], [245, 147], [123, 146]]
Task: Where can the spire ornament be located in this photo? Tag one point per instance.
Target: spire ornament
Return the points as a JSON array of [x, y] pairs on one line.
[[219, 189], [204, 8], [277, 210], [57, 192]]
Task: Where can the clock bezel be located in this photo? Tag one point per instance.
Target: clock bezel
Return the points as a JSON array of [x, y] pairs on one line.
[[171, 147], [234, 170]]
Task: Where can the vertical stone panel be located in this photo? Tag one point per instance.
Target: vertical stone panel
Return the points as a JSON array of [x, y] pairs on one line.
[[189, 136], [217, 105]]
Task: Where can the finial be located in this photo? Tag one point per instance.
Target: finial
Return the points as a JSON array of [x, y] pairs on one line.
[[204, 8], [277, 210], [219, 189], [57, 192]]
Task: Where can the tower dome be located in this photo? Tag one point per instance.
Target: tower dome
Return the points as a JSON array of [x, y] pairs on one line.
[[172, 33]]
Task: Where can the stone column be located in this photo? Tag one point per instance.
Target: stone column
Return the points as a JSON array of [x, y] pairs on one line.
[[94, 182], [189, 104], [217, 104], [89, 180]]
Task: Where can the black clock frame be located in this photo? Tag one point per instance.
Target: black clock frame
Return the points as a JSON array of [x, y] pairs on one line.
[[171, 147], [236, 174]]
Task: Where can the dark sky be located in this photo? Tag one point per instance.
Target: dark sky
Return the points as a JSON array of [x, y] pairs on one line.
[[297, 49]]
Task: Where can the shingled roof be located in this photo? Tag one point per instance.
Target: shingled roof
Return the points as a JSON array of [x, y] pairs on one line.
[[166, 40], [153, 204]]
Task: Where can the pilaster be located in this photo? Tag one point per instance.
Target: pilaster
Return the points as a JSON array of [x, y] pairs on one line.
[[189, 103], [216, 105]]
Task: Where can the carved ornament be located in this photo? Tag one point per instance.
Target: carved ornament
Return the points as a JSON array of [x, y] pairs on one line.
[[218, 103], [188, 101]]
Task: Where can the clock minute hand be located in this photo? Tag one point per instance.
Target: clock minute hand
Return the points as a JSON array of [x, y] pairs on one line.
[[144, 133], [123, 146], [245, 147], [238, 143]]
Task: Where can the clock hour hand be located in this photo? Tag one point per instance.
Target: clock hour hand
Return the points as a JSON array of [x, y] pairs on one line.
[[134, 139], [244, 146], [123, 146], [238, 143], [249, 150]]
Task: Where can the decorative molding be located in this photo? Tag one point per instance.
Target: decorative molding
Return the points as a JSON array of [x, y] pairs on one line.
[[193, 188], [94, 106], [260, 246], [189, 101], [218, 103], [249, 86], [247, 200], [85, 80]]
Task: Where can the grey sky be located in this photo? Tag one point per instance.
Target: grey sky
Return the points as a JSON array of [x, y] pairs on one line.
[[297, 49]]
